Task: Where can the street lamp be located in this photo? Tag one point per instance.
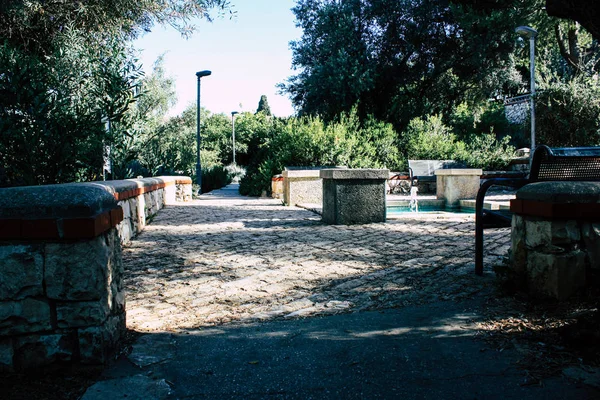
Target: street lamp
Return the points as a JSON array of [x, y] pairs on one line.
[[199, 74], [530, 34], [233, 113]]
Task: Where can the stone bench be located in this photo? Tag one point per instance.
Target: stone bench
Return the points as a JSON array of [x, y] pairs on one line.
[[354, 196], [61, 271], [555, 248]]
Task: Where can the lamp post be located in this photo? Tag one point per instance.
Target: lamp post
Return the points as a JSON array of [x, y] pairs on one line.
[[530, 34], [199, 74], [233, 114]]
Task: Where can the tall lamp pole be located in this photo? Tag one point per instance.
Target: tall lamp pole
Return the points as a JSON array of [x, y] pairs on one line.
[[531, 34], [199, 74], [233, 114]]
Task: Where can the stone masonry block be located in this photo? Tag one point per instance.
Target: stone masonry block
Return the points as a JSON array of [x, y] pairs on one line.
[[21, 271], [82, 314], [34, 351], [97, 343], [590, 233], [518, 247], [25, 316], [556, 276], [549, 233], [77, 271], [6, 355], [538, 233]]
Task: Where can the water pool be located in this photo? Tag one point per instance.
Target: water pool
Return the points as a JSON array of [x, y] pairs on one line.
[[403, 210]]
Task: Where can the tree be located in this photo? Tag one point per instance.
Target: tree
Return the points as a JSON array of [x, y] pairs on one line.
[[66, 74], [399, 59], [36, 24], [586, 12], [263, 106], [53, 109]]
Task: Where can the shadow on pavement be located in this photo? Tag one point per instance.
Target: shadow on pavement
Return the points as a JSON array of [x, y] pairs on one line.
[[416, 352]]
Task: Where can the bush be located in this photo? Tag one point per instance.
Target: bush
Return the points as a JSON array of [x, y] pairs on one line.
[[214, 177], [487, 152], [308, 141], [430, 139], [568, 114]]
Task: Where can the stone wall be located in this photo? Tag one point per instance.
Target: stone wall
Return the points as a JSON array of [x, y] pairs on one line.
[[302, 186], [61, 272], [555, 249]]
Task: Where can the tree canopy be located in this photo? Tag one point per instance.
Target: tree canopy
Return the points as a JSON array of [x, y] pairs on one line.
[[68, 77]]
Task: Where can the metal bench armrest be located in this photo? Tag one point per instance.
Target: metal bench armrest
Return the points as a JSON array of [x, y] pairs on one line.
[[485, 185]]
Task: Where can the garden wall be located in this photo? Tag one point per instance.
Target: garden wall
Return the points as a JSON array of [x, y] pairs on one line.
[[61, 270]]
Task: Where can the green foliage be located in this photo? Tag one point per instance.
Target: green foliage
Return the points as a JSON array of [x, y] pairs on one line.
[[487, 152], [308, 141], [263, 105], [214, 177], [68, 80], [36, 24], [431, 139], [398, 60], [53, 108], [568, 114]]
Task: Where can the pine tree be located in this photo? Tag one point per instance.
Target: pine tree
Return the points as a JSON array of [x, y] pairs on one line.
[[263, 105]]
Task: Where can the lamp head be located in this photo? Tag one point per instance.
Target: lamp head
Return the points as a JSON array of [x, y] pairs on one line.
[[234, 113], [526, 31], [201, 74]]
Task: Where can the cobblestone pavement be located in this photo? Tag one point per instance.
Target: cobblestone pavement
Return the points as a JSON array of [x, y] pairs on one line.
[[218, 260]]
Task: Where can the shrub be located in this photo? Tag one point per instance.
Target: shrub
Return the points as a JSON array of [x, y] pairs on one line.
[[568, 114], [308, 141], [487, 152], [430, 139], [214, 177]]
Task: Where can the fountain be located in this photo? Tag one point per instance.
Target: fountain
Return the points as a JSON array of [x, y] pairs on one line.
[[414, 203]]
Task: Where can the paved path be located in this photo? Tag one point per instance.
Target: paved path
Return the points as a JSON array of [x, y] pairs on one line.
[[225, 258], [223, 286]]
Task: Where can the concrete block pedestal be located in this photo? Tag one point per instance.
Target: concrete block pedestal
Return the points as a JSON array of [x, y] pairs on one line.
[[454, 185], [354, 196]]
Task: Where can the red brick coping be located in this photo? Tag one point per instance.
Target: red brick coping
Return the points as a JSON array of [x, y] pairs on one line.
[[558, 200], [45, 225], [546, 210], [60, 228], [127, 194]]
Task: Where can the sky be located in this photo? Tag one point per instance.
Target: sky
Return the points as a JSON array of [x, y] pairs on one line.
[[248, 55]]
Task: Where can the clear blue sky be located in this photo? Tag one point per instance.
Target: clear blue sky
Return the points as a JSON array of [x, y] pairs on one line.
[[248, 55]]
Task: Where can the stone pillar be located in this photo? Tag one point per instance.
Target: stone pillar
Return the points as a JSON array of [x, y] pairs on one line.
[[354, 196], [555, 238], [454, 185], [61, 288]]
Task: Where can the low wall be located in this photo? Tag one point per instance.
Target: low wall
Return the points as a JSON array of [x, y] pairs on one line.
[[454, 185], [555, 249], [61, 271], [277, 187], [302, 186]]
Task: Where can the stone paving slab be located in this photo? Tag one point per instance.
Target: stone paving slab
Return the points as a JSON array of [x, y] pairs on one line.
[[226, 258]]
